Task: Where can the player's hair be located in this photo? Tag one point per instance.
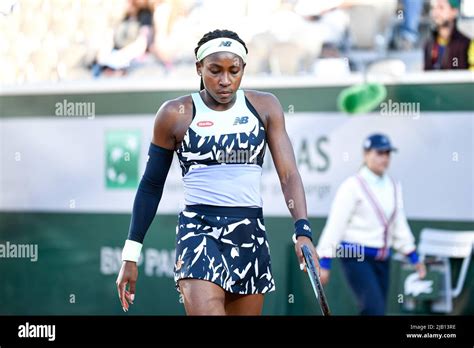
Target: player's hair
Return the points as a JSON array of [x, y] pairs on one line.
[[215, 35]]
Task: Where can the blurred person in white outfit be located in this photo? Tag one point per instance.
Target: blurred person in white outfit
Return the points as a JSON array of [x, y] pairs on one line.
[[366, 221]]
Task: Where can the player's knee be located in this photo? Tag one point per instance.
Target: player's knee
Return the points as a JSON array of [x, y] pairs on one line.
[[204, 305], [201, 298]]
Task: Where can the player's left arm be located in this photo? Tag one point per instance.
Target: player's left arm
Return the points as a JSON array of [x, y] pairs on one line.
[[290, 179]]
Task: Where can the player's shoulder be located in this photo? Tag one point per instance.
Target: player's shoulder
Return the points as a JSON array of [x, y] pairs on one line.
[[174, 114], [267, 105], [174, 109], [177, 105], [262, 98]]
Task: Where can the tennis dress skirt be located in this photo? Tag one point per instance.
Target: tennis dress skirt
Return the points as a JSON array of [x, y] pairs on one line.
[[224, 245]]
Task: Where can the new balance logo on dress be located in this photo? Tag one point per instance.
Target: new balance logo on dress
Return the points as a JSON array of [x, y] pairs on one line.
[[241, 120]]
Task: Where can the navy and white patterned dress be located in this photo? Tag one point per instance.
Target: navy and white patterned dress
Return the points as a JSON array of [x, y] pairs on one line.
[[221, 235]]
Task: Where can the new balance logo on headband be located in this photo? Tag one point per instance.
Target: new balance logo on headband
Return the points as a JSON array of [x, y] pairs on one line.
[[241, 120], [221, 45]]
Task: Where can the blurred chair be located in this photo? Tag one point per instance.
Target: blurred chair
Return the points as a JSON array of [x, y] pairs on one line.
[[43, 65], [362, 31], [259, 52], [71, 62], [391, 67], [34, 25], [8, 72], [63, 23], [443, 245], [286, 58], [370, 27], [60, 4], [331, 67]]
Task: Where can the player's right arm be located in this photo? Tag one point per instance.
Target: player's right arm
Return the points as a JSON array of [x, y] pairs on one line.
[[148, 196]]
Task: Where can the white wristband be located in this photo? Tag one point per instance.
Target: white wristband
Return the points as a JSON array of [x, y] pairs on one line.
[[131, 251]]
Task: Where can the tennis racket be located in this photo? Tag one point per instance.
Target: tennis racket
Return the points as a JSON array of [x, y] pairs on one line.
[[315, 282]]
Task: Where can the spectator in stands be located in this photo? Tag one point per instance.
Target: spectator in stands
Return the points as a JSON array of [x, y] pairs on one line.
[[295, 33], [470, 56], [447, 48], [130, 42], [175, 22], [408, 36], [328, 17]]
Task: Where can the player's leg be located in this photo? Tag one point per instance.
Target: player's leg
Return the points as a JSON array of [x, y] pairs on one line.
[[237, 304], [202, 297]]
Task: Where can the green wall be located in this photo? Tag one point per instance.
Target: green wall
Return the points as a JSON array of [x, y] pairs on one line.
[[69, 263], [432, 97]]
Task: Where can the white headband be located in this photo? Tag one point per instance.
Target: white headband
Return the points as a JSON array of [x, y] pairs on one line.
[[221, 44]]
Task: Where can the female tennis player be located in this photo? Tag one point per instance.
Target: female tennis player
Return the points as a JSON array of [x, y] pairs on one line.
[[219, 134], [367, 220]]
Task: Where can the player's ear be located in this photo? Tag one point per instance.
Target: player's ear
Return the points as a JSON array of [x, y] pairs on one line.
[[199, 68]]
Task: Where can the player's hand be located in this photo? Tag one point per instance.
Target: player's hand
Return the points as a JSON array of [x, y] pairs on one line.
[[324, 275], [128, 275], [300, 241], [421, 269]]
